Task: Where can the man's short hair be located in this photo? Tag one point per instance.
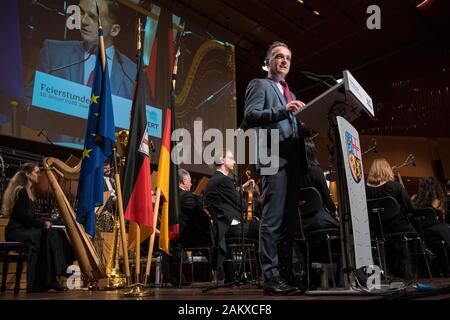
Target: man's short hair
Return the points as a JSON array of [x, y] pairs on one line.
[[182, 174], [273, 45], [219, 156], [113, 11], [447, 186]]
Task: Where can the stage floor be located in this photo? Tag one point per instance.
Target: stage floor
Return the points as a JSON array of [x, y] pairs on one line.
[[240, 292]]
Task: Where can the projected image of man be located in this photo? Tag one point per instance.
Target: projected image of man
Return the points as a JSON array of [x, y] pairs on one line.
[[75, 61], [56, 54]]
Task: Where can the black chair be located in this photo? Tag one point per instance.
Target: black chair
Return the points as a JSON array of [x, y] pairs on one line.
[[238, 250], [423, 218], [382, 211], [244, 251], [12, 252], [310, 202], [207, 249]]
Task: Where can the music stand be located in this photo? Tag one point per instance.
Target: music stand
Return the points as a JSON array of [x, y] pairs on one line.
[[349, 100], [201, 187], [241, 278]]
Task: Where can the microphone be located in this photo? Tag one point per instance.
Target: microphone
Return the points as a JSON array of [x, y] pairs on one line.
[[37, 3], [373, 147], [413, 160], [43, 132], [320, 77], [70, 64], [205, 101], [213, 95]]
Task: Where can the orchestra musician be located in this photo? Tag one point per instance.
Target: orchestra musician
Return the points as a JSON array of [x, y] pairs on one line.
[[436, 234], [326, 217], [381, 183], [49, 250], [222, 197]]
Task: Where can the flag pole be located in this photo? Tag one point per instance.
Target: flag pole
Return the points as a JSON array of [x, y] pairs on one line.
[[118, 184], [158, 190], [137, 289], [122, 223], [152, 237], [138, 227], [116, 175]]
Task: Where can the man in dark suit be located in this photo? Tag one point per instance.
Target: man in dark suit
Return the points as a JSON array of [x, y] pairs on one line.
[[105, 214], [110, 185], [194, 227], [194, 223], [270, 105], [75, 61], [225, 203]]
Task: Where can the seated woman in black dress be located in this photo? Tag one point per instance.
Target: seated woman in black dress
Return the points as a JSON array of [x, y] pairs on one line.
[[315, 177], [431, 195], [49, 251], [381, 183]]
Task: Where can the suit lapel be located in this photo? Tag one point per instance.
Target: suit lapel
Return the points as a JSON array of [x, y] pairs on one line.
[[77, 73], [277, 91], [116, 73]]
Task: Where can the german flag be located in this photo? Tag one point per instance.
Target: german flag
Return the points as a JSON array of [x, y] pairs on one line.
[[137, 182], [162, 182], [159, 74], [167, 182]]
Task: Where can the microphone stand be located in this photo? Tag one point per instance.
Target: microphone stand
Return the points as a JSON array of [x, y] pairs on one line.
[[213, 95], [241, 275], [43, 132], [319, 78], [373, 147], [71, 64]]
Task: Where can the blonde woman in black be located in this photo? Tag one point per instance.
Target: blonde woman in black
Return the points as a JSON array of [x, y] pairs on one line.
[[49, 252], [381, 183]]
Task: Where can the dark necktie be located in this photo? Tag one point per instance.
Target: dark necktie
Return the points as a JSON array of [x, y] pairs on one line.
[[288, 96]]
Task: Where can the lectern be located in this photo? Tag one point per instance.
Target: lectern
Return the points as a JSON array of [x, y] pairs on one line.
[[346, 99], [331, 113]]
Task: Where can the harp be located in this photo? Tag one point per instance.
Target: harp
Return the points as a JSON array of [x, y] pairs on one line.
[[89, 259]]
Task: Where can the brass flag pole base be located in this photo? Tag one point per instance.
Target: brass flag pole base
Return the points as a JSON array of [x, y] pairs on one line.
[[116, 281], [137, 290]]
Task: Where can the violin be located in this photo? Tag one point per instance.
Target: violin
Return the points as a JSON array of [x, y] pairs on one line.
[[410, 161], [249, 198]]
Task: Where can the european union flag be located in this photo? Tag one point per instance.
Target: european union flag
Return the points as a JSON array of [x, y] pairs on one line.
[[100, 135]]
